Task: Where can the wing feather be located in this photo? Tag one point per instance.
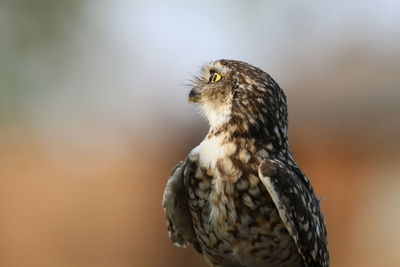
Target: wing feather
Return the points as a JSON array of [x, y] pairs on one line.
[[176, 209], [299, 210]]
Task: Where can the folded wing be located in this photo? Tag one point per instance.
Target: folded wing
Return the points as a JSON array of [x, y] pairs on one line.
[[176, 209], [299, 210]]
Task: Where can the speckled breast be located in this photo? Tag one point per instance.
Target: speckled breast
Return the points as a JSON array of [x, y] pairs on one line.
[[235, 220]]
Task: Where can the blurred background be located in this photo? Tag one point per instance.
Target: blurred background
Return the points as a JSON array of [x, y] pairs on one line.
[[93, 115]]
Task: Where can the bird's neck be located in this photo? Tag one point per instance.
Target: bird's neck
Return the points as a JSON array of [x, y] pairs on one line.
[[271, 142]]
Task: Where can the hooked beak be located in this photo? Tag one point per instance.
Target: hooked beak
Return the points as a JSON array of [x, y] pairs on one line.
[[194, 96]]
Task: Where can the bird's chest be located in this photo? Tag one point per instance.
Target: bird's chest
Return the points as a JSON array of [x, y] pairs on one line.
[[212, 150], [212, 185], [229, 205], [227, 216]]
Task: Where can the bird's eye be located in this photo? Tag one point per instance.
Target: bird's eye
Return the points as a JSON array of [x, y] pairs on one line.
[[214, 77]]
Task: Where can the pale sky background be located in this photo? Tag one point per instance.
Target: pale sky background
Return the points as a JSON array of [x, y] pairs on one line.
[[110, 67]]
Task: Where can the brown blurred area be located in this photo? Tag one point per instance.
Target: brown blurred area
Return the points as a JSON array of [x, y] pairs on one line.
[[93, 117]]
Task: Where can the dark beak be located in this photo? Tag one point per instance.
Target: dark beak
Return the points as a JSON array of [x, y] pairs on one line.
[[194, 96]]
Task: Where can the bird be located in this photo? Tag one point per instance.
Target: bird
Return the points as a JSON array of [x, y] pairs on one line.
[[239, 197]]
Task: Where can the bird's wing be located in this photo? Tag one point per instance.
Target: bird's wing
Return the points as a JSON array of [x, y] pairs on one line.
[[299, 210], [176, 209]]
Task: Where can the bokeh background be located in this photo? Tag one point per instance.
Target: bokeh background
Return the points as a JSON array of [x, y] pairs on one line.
[[93, 115]]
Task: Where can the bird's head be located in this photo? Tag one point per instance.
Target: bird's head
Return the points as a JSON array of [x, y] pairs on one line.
[[233, 94]]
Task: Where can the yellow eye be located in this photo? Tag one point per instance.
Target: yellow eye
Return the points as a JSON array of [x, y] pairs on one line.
[[214, 77]]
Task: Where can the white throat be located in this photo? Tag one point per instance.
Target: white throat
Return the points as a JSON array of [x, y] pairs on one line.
[[216, 115]]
